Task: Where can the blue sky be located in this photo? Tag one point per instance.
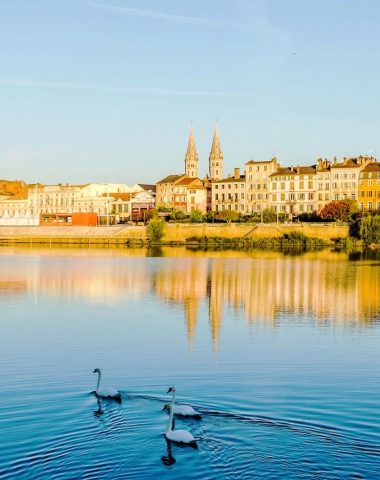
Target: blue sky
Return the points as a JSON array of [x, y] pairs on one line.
[[107, 89]]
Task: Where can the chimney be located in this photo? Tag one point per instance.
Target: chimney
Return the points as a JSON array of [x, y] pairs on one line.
[[237, 173]]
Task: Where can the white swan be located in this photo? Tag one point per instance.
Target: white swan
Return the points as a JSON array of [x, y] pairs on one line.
[[182, 410], [106, 392], [177, 436]]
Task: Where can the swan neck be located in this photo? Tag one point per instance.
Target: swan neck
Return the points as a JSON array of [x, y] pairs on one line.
[[171, 413], [99, 375]]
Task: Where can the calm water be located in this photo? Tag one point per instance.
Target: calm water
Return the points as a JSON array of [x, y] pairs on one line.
[[281, 353]]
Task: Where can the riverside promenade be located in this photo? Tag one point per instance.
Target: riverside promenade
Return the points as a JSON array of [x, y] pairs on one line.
[[176, 233]]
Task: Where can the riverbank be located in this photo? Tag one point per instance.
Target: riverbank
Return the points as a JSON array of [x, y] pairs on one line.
[[178, 233]]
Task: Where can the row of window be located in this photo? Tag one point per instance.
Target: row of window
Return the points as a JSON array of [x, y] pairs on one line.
[[292, 185], [370, 193], [222, 186]]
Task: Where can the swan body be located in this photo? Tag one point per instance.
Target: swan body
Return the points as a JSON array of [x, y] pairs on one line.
[[180, 436], [177, 436], [184, 411], [106, 392]]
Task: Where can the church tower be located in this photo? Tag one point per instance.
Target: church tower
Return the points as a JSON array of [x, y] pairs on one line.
[[191, 158], [216, 158]]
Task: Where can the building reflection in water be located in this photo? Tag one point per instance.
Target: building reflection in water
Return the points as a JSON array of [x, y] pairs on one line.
[[263, 287]]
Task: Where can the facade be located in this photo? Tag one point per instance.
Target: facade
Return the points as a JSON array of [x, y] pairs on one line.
[[258, 183], [25, 207], [165, 190], [323, 183], [229, 193], [345, 177], [187, 192], [369, 187], [293, 190]]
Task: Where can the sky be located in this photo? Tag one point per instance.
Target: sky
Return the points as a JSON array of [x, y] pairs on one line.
[[106, 90]]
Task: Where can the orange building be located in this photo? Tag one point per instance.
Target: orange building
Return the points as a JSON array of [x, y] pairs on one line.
[[369, 187]]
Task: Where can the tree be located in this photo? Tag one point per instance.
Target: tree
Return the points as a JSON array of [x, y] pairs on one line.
[[196, 216], [151, 213], [230, 216], [370, 229], [269, 215], [339, 210], [177, 215], [156, 230]]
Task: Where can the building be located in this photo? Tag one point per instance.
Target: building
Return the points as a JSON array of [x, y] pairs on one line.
[[345, 177], [323, 183], [187, 192], [369, 187], [293, 190], [229, 193], [165, 191], [258, 183]]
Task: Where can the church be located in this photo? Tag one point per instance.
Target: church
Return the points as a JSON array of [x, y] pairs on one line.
[[186, 191]]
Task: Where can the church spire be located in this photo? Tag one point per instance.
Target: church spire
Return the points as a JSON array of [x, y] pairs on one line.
[[191, 158], [216, 158]]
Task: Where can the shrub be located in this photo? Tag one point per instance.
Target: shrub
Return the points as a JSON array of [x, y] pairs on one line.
[[151, 213], [156, 230], [269, 215], [177, 215], [295, 237], [370, 229], [196, 216]]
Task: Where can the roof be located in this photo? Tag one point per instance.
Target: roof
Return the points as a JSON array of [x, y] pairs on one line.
[[147, 186], [308, 170], [371, 167], [171, 178], [231, 179], [188, 181], [349, 163], [118, 195], [254, 162]]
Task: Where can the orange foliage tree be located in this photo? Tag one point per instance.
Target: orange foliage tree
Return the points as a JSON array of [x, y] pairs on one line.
[[339, 210]]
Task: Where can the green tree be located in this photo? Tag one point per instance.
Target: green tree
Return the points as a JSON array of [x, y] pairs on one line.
[[151, 213], [230, 216], [370, 229], [177, 215], [269, 215], [156, 229], [196, 216]]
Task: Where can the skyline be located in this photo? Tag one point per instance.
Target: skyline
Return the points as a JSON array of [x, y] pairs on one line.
[[109, 89]]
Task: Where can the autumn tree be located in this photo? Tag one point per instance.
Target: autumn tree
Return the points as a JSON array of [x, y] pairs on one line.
[[339, 210]]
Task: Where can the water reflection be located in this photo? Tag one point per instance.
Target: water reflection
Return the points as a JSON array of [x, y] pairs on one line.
[[264, 286]]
